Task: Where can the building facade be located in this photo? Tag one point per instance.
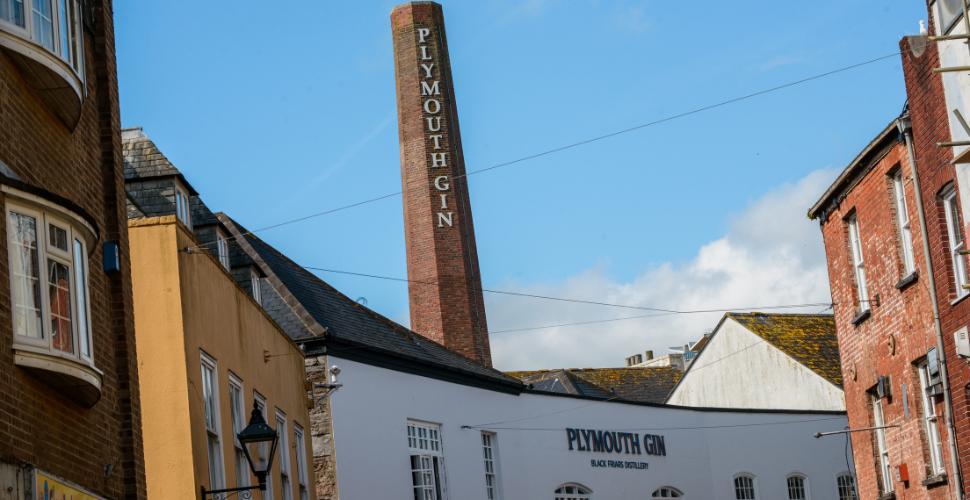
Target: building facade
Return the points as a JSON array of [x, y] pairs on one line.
[[70, 414], [767, 361], [881, 289], [439, 425], [212, 352], [939, 106]]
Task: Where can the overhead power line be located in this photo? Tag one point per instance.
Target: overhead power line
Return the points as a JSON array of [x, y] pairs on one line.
[[487, 426], [588, 141], [580, 301]]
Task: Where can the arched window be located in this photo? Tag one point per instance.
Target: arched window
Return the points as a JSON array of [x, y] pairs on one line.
[[846, 484], [573, 491], [744, 488], [667, 492], [797, 489]]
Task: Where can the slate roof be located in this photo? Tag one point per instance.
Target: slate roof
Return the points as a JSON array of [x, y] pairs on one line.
[[346, 320], [644, 385], [809, 339]]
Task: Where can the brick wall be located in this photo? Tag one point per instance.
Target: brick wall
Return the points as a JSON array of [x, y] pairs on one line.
[[445, 290], [930, 126], [900, 311], [39, 425]]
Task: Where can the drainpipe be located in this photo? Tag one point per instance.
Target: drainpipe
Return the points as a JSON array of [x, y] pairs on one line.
[[906, 128]]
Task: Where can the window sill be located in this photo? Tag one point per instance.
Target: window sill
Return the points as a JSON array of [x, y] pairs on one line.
[[934, 480], [53, 79], [887, 496], [77, 380], [864, 315], [960, 299], [908, 280]]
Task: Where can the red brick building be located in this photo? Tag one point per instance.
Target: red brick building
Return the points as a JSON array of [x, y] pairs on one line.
[[883, 314], [445, 287], [70, 422]]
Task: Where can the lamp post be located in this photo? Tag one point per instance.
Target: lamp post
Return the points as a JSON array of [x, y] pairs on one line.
[[255, 436]]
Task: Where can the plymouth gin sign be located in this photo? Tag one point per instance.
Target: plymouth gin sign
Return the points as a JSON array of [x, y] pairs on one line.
[[626, 443]]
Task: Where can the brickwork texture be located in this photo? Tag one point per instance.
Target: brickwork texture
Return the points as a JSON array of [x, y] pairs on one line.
[[445, 290], [39, 425]]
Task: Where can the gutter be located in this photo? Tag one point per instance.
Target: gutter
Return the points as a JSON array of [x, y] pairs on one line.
[[906, 128]]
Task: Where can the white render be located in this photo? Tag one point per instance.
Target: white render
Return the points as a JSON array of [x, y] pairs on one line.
[[739, 369], [371, 410], [956, 90], [674, 360]]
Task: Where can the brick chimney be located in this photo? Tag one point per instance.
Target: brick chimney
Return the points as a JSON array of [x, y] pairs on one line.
[[445, 288]]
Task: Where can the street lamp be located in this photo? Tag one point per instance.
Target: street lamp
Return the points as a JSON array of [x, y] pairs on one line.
[[255, 436]]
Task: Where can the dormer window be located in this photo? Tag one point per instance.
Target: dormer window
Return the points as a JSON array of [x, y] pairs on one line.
[[222, 246], [254, 277], [182, 209]]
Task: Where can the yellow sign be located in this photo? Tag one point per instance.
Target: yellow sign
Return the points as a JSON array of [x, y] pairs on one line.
[[48, 488]]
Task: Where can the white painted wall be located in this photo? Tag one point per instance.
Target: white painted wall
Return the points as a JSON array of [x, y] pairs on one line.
[[739, 369], [956, 89], [371, 410]]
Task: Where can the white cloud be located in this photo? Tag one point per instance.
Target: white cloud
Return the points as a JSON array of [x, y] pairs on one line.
[[771, 255], [634, 19]]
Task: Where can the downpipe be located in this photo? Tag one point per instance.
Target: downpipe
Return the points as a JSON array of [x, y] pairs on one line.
[[906, 128]]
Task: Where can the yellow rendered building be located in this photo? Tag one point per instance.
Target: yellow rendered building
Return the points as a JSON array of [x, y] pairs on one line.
[[207, 351]]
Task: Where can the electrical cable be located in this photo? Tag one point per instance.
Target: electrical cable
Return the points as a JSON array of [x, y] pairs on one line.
[[579, 301], [588, 141], [487, 426]]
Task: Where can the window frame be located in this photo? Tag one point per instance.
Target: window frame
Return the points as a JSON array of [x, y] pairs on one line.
[[429, 448], [676, 493], [882, 445], [286, 485], [260, 402], [584, 493], [954, 229], [72, 54], [299, 440], [903, 223], [255, 281], [490, 458], [838, 486], [214, 432], [183, 209], [237, 409], [754, 485], [222, 247], [931, 425], [858, 262], [806, 490], [43, 219], [945, 28]]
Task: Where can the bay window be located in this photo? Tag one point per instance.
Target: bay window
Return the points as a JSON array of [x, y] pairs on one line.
[[52, 24], [47, 261], [48, 283], [47, 42]]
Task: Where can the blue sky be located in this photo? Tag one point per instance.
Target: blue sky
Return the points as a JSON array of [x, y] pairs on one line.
[[277, 114]]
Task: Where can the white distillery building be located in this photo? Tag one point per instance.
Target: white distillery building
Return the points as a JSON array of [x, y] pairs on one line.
[[415, 420]]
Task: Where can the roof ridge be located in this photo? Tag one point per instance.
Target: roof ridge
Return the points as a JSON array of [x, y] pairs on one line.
[[407, 333]]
